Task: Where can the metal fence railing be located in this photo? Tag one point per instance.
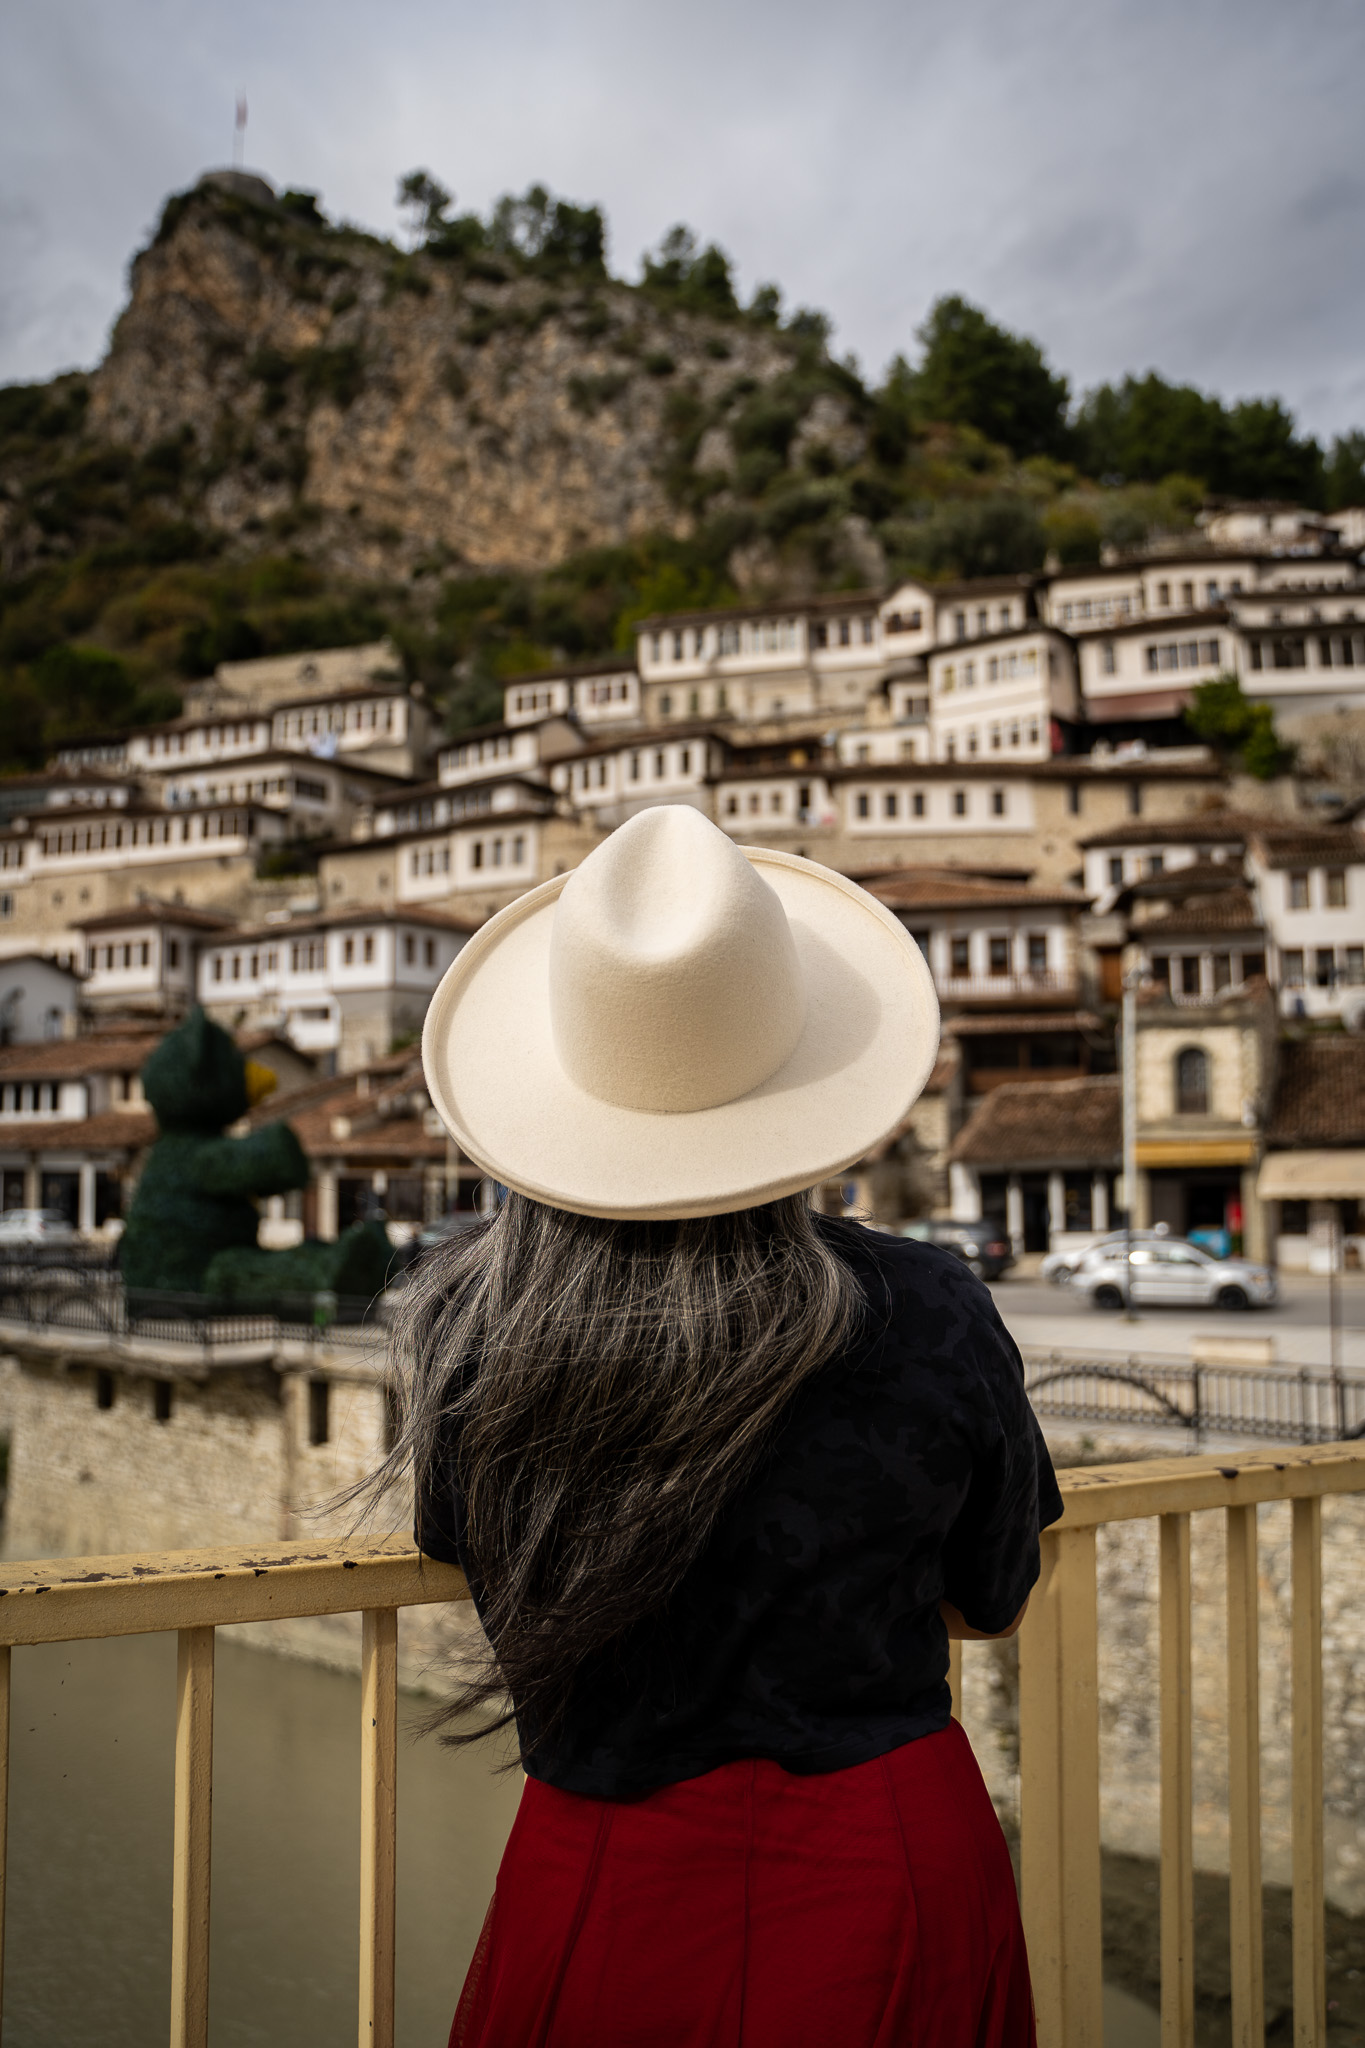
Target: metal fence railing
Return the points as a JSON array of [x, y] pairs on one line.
[[94, 1303], [1279, 1404]]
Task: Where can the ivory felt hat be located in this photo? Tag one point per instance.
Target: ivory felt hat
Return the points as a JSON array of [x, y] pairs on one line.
[[680, 1027]]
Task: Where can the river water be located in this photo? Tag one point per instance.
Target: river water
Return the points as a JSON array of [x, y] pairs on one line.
[[87, 1950]]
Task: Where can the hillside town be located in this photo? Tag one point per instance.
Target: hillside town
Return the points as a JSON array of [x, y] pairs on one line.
[[1003, 762]]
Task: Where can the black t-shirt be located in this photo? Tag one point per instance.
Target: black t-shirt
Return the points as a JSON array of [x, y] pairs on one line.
[[908, 1469]]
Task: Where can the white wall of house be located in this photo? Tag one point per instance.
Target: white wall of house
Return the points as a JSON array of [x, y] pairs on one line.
[[909, 807], [999, 699]]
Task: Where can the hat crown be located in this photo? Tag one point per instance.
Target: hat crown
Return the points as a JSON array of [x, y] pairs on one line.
[[674, 978]]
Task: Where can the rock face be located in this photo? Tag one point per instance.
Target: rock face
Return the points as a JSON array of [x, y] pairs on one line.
[[410, 408]]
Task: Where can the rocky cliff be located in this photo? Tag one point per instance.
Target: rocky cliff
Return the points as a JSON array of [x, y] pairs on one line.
[[406, 407]]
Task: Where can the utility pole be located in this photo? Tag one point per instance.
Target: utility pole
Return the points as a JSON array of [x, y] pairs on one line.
[[1334, 1252], [1129, 1048]]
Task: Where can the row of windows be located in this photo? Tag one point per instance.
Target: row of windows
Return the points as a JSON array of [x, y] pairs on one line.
[[134, 953], [843, 632], [496, 849], [435, 811], [1329, 966], [642, 764], [907, 622], [752, 802], [999, 738], [1292, 652], [309, 956], [12, 856], [524, 703], [900, 803], [1092, 608], [30, 1099], [377, 716], [983, 620], [999, 668], [1205, 974], [1175, 654], [618, 691], [694, 703], [1000, 952], [245, 733], [429, 860], [148, 832], [1331, 889], [762, 636], [472, 752]]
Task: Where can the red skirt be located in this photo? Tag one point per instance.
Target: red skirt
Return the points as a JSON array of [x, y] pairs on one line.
[[749, 1908]]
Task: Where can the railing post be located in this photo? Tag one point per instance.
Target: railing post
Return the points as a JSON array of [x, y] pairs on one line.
[[193, 1839], [1059, 1792], [1310, 1961], [378, 1822], [1244, 1782], [4, 1806], [1177, 1787]]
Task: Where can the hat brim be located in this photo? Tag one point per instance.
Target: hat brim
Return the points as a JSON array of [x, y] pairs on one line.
[[868, 1048]]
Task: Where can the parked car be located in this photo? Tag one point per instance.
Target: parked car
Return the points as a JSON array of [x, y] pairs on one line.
[[1058, 1267], [34, 1226], [982, 1246], [1171, 1275]]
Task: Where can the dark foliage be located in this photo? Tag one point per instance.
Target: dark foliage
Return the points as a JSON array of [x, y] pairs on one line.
[[976, 374]]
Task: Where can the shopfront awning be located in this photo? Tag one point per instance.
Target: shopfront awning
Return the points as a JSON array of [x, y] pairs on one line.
[[1157, 1152], [1334, 1176]]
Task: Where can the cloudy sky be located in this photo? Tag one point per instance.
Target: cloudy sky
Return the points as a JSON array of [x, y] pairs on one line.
[[1175, 184]]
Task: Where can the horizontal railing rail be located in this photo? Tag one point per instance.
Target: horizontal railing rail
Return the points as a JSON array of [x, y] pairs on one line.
[[95, 1304], [196, 1592], [1277, 1404]]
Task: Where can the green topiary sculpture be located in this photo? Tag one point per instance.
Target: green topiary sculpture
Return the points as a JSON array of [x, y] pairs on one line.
[[192, 1227]]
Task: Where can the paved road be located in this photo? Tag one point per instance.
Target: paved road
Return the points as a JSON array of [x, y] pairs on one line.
[[1050, 1317]]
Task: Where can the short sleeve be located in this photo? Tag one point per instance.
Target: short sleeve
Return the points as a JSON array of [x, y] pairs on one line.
[[991, 1556], [438, 1520]]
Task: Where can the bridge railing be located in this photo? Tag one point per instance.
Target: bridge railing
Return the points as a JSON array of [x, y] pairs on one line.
[[196, 1592]]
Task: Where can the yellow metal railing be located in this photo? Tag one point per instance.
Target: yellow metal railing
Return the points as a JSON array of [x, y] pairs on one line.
[[194, 1592]]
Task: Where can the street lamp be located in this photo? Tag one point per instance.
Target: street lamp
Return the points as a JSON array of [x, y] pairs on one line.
[[1129, 1049]]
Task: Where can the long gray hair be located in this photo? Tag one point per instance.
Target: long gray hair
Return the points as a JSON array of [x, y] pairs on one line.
[[597, 1391]]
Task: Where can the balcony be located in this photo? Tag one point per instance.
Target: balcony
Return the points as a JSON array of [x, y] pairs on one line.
[[1046, 986], [196, 1592]]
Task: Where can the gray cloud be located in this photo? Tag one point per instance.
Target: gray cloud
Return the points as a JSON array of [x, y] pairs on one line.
[[1165, 185]]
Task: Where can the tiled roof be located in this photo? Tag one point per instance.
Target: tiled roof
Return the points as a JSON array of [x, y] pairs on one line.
[[1320, 1094], [333, 920], [936, 890], [1221, 910], [70, 1059], [154, 912], [114, 1130], [1196, 828], [1302, 847], [1036, 1124]]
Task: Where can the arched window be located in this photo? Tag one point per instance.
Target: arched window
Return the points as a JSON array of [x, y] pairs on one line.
[[1192, 1082]]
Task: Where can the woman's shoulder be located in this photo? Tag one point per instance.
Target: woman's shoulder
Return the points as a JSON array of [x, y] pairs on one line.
[[926, 1308], [905, 1269]]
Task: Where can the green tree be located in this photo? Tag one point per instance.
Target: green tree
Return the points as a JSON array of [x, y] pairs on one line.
[[700, 279], [973, 373], [549, 234], [1344, 474], [1238, 727], [1145, 429], [426, 202]]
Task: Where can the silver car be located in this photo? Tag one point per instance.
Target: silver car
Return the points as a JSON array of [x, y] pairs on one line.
[[1172, 1274], [1058, 1267]]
